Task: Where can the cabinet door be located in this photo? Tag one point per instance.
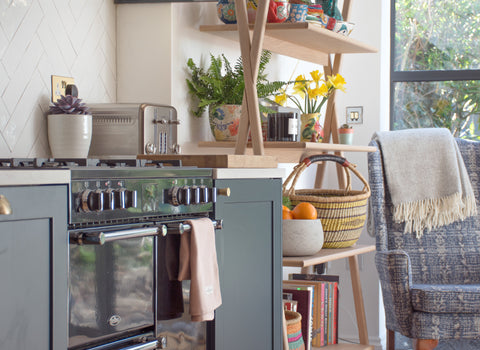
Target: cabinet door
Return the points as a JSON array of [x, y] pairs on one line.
[[33, 269], [249, 255]]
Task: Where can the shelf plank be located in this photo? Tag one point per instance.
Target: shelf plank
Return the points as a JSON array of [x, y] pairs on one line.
[[291, 152], [344, 346], [326, 255], [303, 40], [215, 160]]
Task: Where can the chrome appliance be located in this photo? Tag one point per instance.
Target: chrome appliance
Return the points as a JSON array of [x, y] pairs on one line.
[[127, 129], [125, 218]]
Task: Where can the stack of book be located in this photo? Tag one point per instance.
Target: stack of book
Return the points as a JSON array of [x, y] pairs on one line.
[[316, 299]]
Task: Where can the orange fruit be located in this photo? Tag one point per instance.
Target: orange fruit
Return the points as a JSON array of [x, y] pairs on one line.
[[286, 213], [304, 210]]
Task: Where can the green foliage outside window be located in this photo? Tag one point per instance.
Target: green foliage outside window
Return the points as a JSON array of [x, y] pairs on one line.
[[441, 35]]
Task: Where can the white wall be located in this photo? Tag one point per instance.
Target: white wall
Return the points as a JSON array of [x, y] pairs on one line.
[[40, 38]]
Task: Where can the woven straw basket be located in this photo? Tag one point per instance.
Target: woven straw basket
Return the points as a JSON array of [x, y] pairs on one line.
[[342, 212], [294, 330]]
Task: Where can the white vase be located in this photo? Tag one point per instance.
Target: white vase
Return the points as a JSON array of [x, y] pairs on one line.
[[69, 135]]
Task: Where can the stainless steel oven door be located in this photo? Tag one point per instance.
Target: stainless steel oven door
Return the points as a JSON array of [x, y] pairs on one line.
[[111, 284]]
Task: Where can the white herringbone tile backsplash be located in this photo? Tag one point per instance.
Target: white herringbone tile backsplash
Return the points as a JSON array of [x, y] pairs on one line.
[[40, 38]]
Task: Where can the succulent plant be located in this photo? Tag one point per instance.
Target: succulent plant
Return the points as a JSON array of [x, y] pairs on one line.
[[68, 105]]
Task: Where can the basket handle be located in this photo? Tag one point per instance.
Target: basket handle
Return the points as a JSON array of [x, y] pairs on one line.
[[300, 167]]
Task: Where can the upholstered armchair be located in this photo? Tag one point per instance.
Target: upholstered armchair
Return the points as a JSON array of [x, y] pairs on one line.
[[430, 285]]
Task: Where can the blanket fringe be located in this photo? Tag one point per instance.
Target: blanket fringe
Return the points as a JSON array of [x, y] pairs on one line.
[[433, 213]]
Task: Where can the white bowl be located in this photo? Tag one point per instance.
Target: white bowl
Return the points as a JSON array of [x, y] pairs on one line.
[[302, 237]]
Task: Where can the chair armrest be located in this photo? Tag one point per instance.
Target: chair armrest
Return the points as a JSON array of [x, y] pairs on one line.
[[394, 270]]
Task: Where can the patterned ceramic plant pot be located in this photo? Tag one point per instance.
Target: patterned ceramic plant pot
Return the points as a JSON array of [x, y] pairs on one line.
[[224, 122], [226, 11], [310, 128], [345, 136], [298, 13]]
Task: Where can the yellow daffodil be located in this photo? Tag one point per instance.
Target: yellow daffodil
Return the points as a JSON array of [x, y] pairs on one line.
[[281, 99], [312, 94], [316, 76], [337, 82]]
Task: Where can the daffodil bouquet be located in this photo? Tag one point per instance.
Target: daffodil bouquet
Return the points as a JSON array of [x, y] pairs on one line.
[[313, 93]]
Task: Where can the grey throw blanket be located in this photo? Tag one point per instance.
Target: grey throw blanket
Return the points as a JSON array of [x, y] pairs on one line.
[[426, 178]]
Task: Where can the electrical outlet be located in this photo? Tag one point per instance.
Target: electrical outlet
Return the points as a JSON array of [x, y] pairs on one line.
[[355, 115], [58, 86]]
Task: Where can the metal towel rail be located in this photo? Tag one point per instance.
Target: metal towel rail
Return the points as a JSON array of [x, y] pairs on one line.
[[180, 228], [100, 237]]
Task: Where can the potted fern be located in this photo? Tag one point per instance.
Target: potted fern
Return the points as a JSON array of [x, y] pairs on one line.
[[219, 89], [69, 128]]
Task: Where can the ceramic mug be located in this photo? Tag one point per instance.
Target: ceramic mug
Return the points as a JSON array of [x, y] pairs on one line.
[[298, 13], [277, 11]]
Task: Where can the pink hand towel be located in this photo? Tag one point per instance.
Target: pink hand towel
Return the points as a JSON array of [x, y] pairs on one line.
[[198, 262]]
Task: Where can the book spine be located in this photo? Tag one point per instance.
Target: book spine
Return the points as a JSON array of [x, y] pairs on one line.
[[335, 313], [330, 313], [322, 316], [315, 313], [325, 318], [310, 319]]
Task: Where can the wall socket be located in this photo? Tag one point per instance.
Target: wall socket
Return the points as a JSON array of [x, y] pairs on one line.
[[355, 115], [58, 86]]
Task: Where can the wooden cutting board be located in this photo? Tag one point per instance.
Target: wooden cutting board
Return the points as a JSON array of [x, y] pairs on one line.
[[217, 160]]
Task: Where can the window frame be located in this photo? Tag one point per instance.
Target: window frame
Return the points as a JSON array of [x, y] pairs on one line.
[[420, 75]]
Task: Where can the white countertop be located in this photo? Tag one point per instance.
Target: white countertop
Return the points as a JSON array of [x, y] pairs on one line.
[[20, 177], [248, 173]]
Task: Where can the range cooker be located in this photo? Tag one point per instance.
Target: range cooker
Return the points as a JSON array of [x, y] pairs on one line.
[[125, 218]]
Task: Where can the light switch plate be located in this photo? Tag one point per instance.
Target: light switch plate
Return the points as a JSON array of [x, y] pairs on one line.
[[354, 115], [58, 86]]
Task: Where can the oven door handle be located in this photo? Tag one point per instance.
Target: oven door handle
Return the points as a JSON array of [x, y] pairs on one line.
[[100, 238], [146, 346]]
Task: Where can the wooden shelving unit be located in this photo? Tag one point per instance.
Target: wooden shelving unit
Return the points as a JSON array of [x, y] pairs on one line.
[[309, 42], [351, 253], [292, 152], [305, 41]]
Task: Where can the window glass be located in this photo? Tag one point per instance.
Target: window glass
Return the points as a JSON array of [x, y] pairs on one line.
[[436, 35], [449, 104]]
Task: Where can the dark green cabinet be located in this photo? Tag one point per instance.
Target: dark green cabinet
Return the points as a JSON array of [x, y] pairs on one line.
[[33, 269], [249, 251]]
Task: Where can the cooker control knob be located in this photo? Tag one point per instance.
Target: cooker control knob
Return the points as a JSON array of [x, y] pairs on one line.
[[109, 203], [179, 195], [130, 199], [119, 198], [185, 195], [92, 200], [195, 194], [204, 194]]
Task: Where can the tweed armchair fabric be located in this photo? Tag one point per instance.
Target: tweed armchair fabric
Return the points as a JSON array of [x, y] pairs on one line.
[[430, 285]]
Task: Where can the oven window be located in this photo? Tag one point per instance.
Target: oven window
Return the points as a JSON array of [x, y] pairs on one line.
[[111, 289]]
